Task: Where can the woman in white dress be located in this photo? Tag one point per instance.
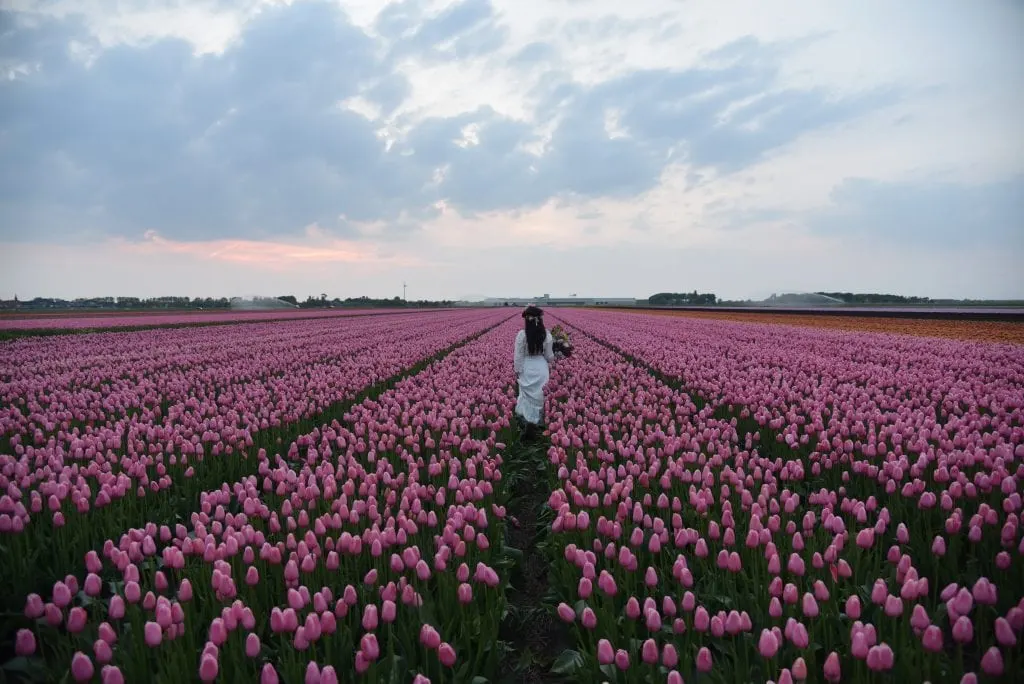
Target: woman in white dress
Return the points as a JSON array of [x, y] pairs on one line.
[[533, 352]]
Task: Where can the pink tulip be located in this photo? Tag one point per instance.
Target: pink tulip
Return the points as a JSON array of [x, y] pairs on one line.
[[389, 610], [963, 602], [370, 621], [853, 607], [268, 675], [102, 651], [34, 607], [153, 634], [931, 639], [369, 646], [218, 632], [25, 643], [984, 592], [992, 662], [76, 620], [767, 645], [831, 669], [111, 674], [880, 658], [606, 583], [893, 606], [810, 606], [252, 645], [61, 595], [704, 663], [81, 667], [963, 630], [429, 637], [799, 669], [446, 654], [649, 651], [919, 618], [1004, 633]]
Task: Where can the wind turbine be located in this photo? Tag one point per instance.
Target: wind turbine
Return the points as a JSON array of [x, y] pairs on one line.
[[403, 291]]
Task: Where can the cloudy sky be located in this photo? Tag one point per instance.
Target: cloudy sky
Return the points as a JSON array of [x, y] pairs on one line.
[[510, 147]]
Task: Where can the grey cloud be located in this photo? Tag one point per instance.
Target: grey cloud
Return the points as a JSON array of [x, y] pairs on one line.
[[308, 52], [779, 119], [248, 143], [669, 107], [927, 214], [532, 54], [494, 174], [662, 111], [389, 92], [253, 143], [399, 18], [463, 30], [615, 27]]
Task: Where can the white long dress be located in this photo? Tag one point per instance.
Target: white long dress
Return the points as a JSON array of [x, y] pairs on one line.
[[533, 375]]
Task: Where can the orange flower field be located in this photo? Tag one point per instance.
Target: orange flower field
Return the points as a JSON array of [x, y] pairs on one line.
[[983, 331]]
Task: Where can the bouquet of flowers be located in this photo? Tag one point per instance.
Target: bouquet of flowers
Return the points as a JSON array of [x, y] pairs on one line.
[[562, 345]]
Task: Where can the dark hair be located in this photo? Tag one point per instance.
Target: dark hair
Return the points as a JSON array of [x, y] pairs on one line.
[[535, 332]]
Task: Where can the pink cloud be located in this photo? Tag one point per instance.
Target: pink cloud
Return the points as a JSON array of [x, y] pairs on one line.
[[266, 253]]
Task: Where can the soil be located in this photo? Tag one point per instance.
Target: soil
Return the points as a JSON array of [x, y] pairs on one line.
[[535, 634]]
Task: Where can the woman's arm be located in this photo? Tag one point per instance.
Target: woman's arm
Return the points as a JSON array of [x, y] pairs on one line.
[[549, 351], [519, 352]]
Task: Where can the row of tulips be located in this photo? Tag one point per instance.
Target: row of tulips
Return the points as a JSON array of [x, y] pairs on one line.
[[867, 423], [370, 544], [192, 391], [160, 416], [692, 540]]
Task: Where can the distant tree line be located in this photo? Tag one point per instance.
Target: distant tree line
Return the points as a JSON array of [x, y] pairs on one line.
[[322, 302], [682, 299], [206, 303], [117, 303], [874, 298]]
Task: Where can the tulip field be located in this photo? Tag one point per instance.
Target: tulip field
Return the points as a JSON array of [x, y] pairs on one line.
[[349, 499], [14, 325]]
